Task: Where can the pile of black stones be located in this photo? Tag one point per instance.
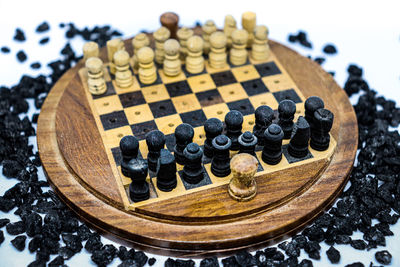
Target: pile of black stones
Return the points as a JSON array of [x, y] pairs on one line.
[[49, 229]]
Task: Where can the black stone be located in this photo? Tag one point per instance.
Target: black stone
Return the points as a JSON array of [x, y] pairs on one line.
[[355, 264], [319, 60], [330, 49], [220, 164], [33, 224], [1, 237], [234, 121], [16, 228], [36, 65], [193, 171], [286, 109], [72, 242], [244, 258], [383, 257], [358, 244], [4, 222], [311, 105], [43, 27], [184, 135], [272, 151], [320, 138], [230, 262], [58, 261], [93, 243], [247, 143], [209, 262], [5, 49], [213, 127], [155, 141], [65, 253], [333, 255], [298, 145], [151, 261], [104, 256], [139, 189], [305, 263], [166, 176], [19, 35], [263, 118], [44, 40], [19, 242], [84, 232], [129, 146]]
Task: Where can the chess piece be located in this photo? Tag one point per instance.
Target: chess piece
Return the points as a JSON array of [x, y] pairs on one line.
[[123, 75], [260, 48], [195, 59], [229, 27], [139, 41], [238, 52], [139, 189], [320, 138], [298, 145], [247, 143], [183, 35], [249, 24], [155, 141], [234, 121], [242, 186], [208, 29], [286, 110], [263, 118], [220, 162], [129, 147], [172, 63], [170, 21], [96, 82], [113, 46], [166, 175], [184, 135], [160, 36], [193, 171], [272, 151], [217, 55], [90, 49], [147, 70], [213, 127], [311, 105]]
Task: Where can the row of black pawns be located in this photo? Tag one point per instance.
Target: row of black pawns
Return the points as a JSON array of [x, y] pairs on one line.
[[314, 127]]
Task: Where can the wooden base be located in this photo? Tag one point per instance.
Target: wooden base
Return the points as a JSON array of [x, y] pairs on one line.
[[80, 168]]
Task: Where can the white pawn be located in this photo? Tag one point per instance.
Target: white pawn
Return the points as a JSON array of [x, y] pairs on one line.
[[123, 75], [229, 27], [147, 70], [195, 59], [139, 41], [260, 49], [249, 24], [96, 82], [208, 29], [113, 46], [238, 53], [183, 35], [172, 63], [218, 55], [90, 49], [160, 36]]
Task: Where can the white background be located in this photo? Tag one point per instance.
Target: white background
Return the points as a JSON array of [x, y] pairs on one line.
[[365, 32]]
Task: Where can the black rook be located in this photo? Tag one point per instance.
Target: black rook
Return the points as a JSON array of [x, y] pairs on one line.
[[220, 164]]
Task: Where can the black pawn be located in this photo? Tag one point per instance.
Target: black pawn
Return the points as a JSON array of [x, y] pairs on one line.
[[193, 171], [234, 121], [184, 135], [129, 147], [272, 152], [298, 146], [166, 176], [286, 109], [320, 138], [247, 142], [311, 105], [220, 164], [155, 141], [139, 188], [264, 116], [213, 127]]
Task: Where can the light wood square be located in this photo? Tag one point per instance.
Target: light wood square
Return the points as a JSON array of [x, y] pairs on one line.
[[155, 93], [186, 103], [122, 90], [171, 79], [143, 148], [107, 76], [232, 92], [218, 111], [112, 137], [214, 179], [178, 190], [264, 99], [199, 135], [200, 83], [278, 82], [248, 123], [168, 124], [271, 168], [107, 104], [245, 73], [138, 114], [209, 69]]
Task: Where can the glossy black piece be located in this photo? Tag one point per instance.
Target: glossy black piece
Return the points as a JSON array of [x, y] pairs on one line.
[[139, 188], [213, 127], [286, 109], [298, 146], [320, 138], [193, 171], [272, 151], [234, 121], [166, 176], [155, 141], [183, 135], [129, 147], [264, 116], [247, 143], [220, 164]]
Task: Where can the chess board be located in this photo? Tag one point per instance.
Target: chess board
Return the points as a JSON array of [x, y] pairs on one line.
[[79, 134]]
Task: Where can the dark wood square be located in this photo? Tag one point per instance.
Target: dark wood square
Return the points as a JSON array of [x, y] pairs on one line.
[[141, 129], [178, 88], [210, 97], [291, 159], [223, 78], [205, 181], [132, 99], [287, 94], [267, 69], [114, 120], [195, 118], [110, 91], [244, 106], [254, 87], [162, 108]]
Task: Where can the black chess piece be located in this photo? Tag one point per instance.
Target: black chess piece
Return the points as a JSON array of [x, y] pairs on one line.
[[272, 151], [129, 147], [183, 135], [320, 138], [264, 116], [155, 141], [220, 164], [286, 109], [234, 121], [247, 143], [298, 145], [166, 176], [311, 105], [213, 127], [193, 171], [139, 189]]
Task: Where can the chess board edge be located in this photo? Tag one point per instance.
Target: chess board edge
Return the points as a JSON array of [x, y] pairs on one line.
[[185, 238]]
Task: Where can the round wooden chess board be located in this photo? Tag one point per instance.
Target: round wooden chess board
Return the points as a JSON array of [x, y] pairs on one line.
[[78, 137]]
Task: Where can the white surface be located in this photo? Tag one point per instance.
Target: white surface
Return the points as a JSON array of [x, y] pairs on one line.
[[364, 33]]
